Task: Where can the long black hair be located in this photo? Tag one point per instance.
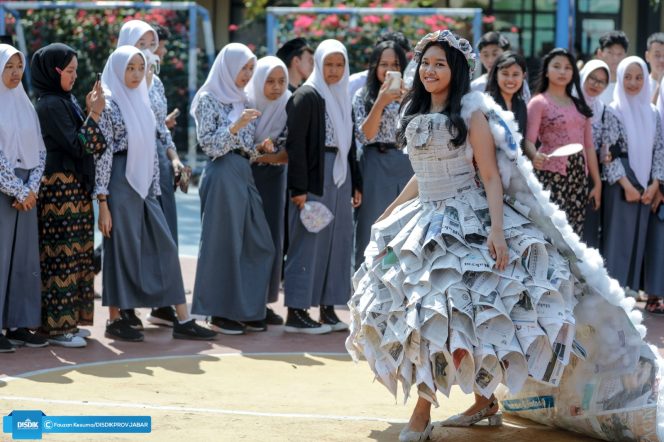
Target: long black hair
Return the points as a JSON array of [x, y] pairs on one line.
[[577, 97], [418, 100], [504, 61], [373, 84]]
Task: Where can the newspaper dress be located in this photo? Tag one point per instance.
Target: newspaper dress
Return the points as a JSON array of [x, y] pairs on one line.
[[430, 309]]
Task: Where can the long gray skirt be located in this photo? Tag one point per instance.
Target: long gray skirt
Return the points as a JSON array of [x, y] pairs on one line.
[[236, 252], [384, 175], [167, 197], [141, 267], [20, 274], [318, 264], [624, 236], [271, 184], [653, 272]]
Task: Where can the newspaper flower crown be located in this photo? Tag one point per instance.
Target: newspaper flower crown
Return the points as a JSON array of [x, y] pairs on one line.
[[460, 44]]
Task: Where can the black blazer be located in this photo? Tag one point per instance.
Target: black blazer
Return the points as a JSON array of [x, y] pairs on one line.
[[305, 144], [60, 122]]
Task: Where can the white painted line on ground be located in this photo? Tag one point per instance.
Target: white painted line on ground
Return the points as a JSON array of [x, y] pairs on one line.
[[199, 410]]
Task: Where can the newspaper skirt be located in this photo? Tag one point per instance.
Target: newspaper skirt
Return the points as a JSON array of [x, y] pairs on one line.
[[430, 309]]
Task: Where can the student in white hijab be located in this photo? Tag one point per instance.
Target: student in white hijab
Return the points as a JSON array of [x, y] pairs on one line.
[[322, 167], [595, 76], [268, 93], [653, 277], [140, 266], [22, 161], [146, 38], [633, 135], [237, 253]]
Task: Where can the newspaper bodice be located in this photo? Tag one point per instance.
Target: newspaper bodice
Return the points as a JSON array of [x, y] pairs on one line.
[[442, 169]]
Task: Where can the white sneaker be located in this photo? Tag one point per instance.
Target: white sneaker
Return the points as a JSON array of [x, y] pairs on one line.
[[83, 333], [67, 340]]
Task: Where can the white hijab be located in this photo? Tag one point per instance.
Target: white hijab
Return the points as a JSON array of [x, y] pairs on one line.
[[220, 82], [595, 103], [638, 117], [273, 112], [337, 104], [137, 114], [132, 31], [20, 133]]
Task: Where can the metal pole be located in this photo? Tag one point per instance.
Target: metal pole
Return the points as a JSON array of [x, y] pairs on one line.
[[3, 31], [192, 84], [562, 24], [271, 33]]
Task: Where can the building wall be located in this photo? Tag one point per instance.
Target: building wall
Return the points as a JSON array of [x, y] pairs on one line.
[[221, 18]]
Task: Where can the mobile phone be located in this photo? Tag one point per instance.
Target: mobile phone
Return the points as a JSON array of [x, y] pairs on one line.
[[176, 112], [393, 79], [98, 76]]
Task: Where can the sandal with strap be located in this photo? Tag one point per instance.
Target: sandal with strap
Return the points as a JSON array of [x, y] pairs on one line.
[[462, 420]]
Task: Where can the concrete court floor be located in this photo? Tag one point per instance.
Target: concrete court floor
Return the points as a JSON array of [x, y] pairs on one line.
[[260, 386]]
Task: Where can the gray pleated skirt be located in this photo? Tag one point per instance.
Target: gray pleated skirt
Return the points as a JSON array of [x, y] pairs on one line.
[[271, 184], [318, 264], [20, 274], [653, 272], [624, 236], [141, 267], [167, 197], [236, 251], [384, 175]]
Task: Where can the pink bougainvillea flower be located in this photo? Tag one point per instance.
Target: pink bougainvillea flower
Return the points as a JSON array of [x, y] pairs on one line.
[[373, 19], [421, 31], [514, 30], [341, 6], [331, 21], [432, 22], [488, 19], [307, 4], [232, 27], [303, 21]]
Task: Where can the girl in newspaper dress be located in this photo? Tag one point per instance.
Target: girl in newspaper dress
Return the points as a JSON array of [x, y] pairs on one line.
[[474, 278]]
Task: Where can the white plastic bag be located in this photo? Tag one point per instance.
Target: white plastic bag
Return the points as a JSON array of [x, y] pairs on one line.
[[315, 216]]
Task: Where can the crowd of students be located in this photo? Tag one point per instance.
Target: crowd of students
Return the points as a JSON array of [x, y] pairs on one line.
[[280, 132]]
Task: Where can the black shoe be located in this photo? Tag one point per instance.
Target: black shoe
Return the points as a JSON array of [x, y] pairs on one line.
[[226, 326], [328, 316], [23, 336], [255, 326], [163, 316], [272, 318], [122, 330], [299, 321], [129, 315], [191, 330], [6, 345]]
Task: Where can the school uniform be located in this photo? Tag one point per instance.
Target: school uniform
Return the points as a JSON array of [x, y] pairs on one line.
[[141, 267], [270, 179], [385, 169], [321, 164], [22, 161], [634, 136], [236, 251]]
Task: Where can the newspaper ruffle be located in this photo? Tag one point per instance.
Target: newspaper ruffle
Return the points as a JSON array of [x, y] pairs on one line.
[[610, 388], [431, 297]]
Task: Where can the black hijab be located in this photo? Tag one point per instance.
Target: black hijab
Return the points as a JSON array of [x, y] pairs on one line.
[[44, 67]]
